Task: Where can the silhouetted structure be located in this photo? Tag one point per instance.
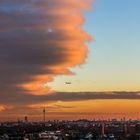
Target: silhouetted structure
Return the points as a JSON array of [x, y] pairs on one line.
[[44, 114]]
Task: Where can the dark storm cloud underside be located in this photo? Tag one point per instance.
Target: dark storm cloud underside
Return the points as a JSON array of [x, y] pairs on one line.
[[24, 99]]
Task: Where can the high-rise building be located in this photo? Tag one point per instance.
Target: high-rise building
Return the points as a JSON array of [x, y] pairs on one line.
[[102, 129]]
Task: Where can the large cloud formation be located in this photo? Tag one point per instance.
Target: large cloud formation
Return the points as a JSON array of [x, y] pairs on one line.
[[39, 39]]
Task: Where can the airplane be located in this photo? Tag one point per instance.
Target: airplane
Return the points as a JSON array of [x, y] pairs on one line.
[[68, 83]]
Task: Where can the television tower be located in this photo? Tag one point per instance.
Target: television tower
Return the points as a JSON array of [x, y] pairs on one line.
[[44, 114]]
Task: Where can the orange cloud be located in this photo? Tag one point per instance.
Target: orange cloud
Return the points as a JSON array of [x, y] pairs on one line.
[[2, 108], [53, 39]]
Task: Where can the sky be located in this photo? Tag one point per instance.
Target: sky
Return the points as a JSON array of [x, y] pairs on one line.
[[93, 45], [112, 62]]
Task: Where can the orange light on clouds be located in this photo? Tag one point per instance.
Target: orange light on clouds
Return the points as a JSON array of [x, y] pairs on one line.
[[66, 21], [2, 108]]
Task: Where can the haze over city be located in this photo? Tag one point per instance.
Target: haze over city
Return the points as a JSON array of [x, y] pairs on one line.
[[77, 58]]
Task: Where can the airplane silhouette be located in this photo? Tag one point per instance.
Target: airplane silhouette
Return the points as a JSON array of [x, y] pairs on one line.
[[68, 83]]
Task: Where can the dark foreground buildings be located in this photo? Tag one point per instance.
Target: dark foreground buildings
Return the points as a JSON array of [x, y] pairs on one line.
[[71, 130]]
